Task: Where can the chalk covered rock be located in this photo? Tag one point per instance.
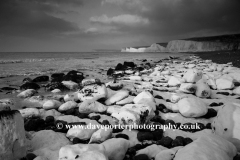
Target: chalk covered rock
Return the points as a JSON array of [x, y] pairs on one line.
[[86, 82], [203, 90], [70, 84], [83, 132], [27, 93], [176, 97], [192, 75], [67, 105], [116, 148], [192, 107], [126, 116], [135, 78], [82, 152], [236, 91], [12, 136], [29, 112], [127, 100], [56, 91], [151, 151], [51, 104], [188, 88], [89, 106], [33, 102], [119, 95], [145, 97], [101, 135], [224, 84], [71, 97], [210, 147], [174, 81], [227, 121], [93, 92], [212, 83]]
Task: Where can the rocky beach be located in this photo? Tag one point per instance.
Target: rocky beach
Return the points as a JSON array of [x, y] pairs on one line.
[[173, 108]]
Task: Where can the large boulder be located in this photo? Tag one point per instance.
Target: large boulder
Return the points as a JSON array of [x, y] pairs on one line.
[[192, 107], [145, 97], [12, 135], [30, 85], [209, 147], [192, 75]]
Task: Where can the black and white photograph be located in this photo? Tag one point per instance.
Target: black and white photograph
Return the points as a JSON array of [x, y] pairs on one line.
[[119, 80]]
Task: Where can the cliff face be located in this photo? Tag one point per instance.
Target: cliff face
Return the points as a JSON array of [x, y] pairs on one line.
[[153, 48], [195, 46]]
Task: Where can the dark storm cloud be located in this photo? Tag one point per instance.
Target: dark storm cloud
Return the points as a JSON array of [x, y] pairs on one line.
[[33, 18], [183, 17]]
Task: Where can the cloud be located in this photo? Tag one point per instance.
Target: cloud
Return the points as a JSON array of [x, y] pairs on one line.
[[125, 19], [32, 18]]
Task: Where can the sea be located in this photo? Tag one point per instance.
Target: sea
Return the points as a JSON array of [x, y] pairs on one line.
[[39, 63]]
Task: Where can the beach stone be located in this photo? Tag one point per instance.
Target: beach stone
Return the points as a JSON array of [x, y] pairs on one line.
[[212, 83], [129, 64], [192, 107], [86, 82], [116, 148], [56, 91], [145, 97], [47, 143], [93, 92], [55, 85], [223, 84], [207, 147], [203, 90], [83, 132], [71, 97], [237, 91], [89, 106], [27, 93], [34, 124], [192, 75], [141, 136], [29, 112], [74, 76], [173, 81], [115, 85], [57, 77], [135, 78], [82, 152], [101, 135], [227, 122], [29, 85], [41, 79], [12, 135], [141, 157], [165, 141], [119, 95], [52, 112], [67, 105], [167, 154], [188, 88], [5, 106], [127, 100], [51, 104], [119, 67], [33, 102], [110, 72], [151, 151], [126, 117], [70, 85], [124, 136]]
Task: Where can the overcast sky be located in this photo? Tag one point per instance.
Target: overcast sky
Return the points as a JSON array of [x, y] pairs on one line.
[[85, 25]]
